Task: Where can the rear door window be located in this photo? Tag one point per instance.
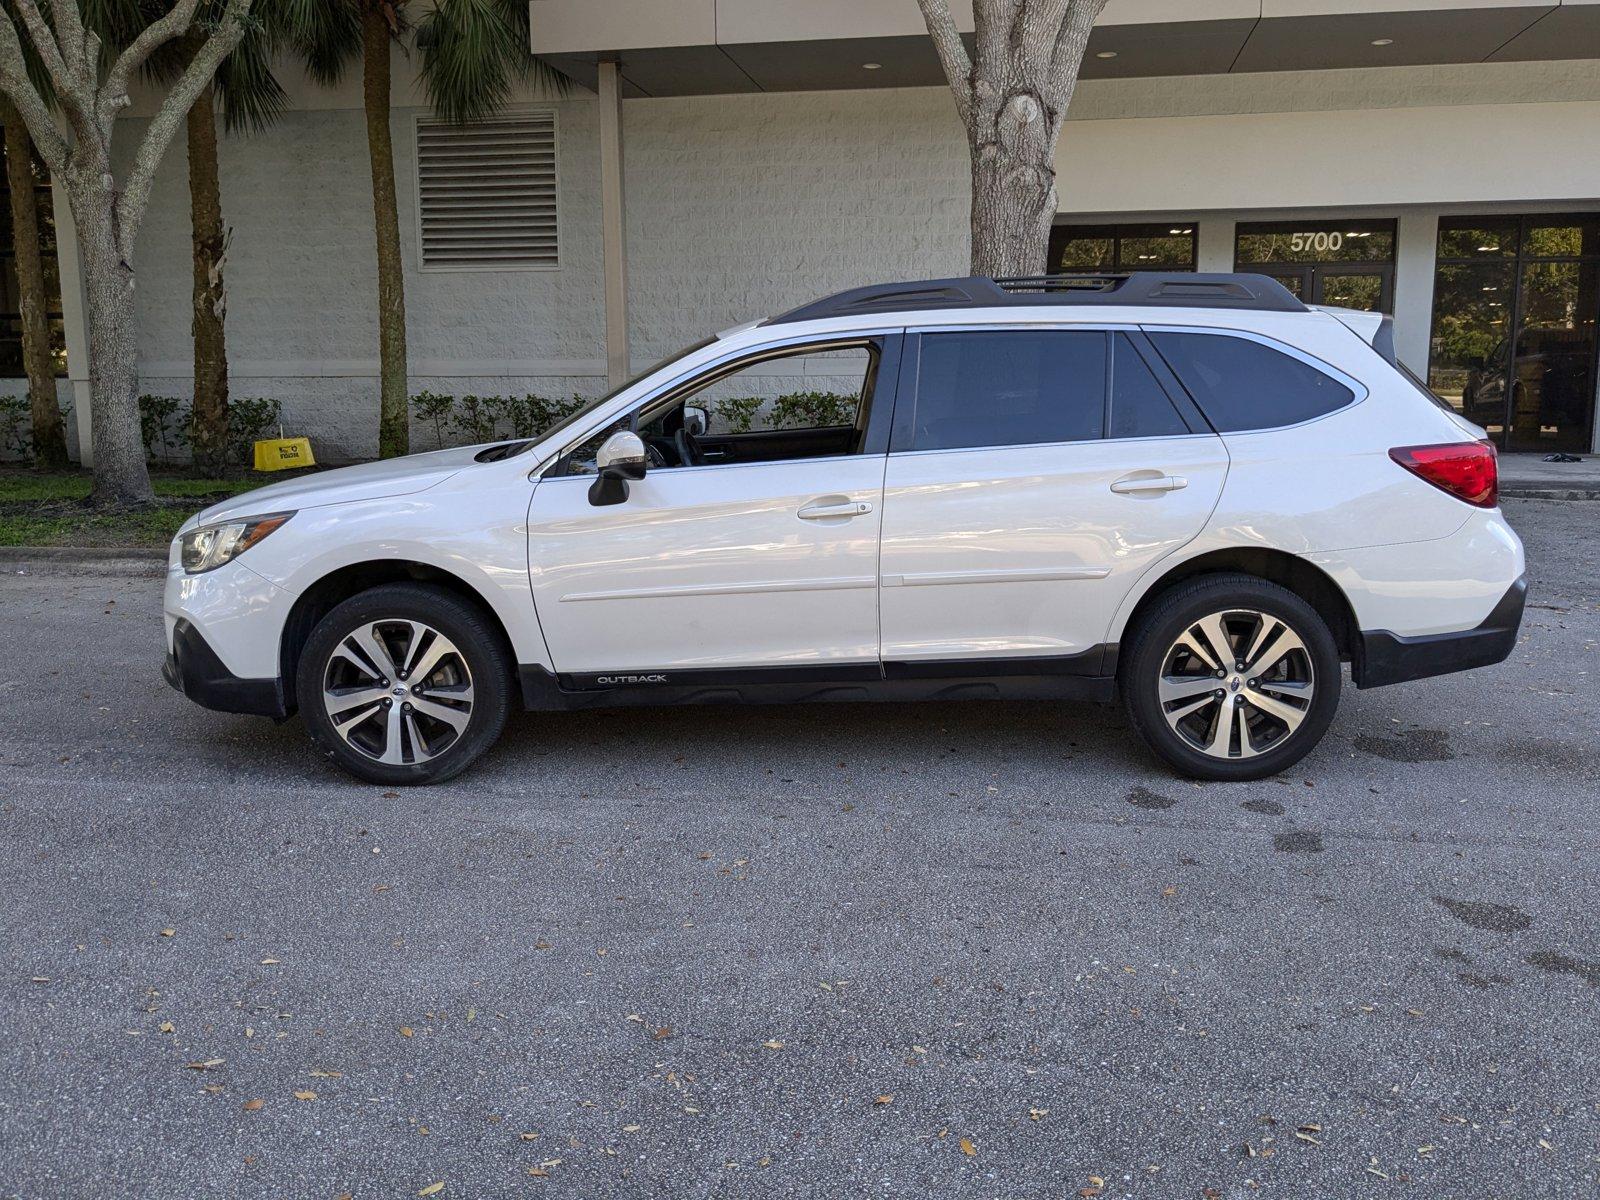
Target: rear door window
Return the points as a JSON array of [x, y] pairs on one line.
[[1009, 388], [1242, 384]]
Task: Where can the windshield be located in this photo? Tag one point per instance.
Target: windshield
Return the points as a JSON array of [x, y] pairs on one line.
[[577, 415]]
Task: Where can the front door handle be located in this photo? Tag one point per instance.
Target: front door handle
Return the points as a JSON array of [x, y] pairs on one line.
[[1132, 485], [823, 512]]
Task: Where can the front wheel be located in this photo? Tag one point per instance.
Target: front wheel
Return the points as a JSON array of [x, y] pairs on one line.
[[404, 684], [1230, 677]]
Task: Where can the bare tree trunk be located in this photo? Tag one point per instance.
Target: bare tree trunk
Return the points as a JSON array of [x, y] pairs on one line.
[[1012, 93], [209, 434], [394, 427], [120, 476], [49, 435], [1013, 187]]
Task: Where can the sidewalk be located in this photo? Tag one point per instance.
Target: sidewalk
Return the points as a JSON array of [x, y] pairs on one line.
[[1529, 477]]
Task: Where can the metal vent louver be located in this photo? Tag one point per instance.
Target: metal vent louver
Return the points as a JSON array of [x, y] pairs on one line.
[[487, 193]]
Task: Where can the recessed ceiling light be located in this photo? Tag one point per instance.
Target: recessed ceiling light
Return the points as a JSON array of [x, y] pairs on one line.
[[870, 66], [1383, 41], [1106, 54]]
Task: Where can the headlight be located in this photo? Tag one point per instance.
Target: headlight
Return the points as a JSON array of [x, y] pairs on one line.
[[210, 546]]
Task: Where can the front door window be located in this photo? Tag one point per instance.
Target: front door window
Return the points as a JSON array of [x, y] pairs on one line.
[[1514, 342], [1345, 263]]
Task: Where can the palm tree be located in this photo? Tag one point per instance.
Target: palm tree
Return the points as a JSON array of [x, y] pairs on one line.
[[49, 434], [471, 53], [250, 98]]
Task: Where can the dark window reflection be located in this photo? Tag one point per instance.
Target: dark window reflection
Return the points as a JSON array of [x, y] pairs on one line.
[[1161, 247], [1514, 337]]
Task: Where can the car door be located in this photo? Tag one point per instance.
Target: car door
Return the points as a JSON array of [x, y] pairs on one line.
[[1033, 475], [737, 562]]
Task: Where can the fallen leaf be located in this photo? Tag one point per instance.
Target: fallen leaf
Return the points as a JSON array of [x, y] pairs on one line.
[[1546, 1144], [406, 1031], [886, 1098], [433, 1189], [208, 1065], [254, 1105], [530, 1136], [773, 1044], [1035, 1113], [663, 1033], [269, 962], [168, 932], [538, 1172], [305, 1095], [631, 1128], [167, 1027], [967, 1147]]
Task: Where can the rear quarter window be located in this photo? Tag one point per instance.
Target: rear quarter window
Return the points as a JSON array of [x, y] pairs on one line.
[[1241, 384]]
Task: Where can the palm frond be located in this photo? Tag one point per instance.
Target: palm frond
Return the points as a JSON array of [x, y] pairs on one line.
[[324, 34], [250, 94], [473, 52]]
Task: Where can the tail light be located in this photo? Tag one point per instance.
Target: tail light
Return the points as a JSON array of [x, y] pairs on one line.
[[1467, 470]]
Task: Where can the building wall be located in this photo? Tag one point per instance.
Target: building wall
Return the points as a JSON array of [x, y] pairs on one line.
[[739, 206]]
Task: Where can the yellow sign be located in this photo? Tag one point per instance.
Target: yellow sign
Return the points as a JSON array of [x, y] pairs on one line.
[[284, 454]]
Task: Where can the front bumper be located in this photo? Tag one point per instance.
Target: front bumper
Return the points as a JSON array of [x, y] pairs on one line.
[[193, 668], [1386, 657]]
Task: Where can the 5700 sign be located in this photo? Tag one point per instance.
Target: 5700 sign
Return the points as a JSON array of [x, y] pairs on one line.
[[1322, 242]]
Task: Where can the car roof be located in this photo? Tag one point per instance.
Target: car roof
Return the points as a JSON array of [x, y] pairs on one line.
[[1133, 289]]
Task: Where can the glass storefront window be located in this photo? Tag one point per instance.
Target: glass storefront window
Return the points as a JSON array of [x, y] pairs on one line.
[[1316, 242], [1348, 263], [1160, 247], [1514, 339]]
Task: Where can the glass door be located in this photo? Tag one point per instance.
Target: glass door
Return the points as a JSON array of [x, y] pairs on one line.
[[1346, 263], [1514, 340]]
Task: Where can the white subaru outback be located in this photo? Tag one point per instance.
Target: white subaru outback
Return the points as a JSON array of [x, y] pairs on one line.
[[1189, 491]]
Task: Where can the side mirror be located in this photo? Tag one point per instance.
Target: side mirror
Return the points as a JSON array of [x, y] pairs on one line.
[[621, 458], [696, 420]]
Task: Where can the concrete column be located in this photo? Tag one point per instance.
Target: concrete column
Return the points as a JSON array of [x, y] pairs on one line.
[[74, 310], [1416, 248], [1214, 251], [613, 231]]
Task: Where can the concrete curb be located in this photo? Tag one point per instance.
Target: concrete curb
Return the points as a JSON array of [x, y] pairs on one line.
[[82, 560], [1545, 491]]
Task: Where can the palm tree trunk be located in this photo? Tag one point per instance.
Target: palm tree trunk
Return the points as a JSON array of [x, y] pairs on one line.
[[49, 435], [209, 434], [393, 425]]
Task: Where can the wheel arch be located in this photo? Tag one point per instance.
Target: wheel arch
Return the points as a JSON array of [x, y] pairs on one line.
[[1305, 579], [332, 589]]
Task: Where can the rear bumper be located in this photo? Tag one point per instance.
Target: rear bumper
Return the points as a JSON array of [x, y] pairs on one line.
[[193, 668], [1386, 657]]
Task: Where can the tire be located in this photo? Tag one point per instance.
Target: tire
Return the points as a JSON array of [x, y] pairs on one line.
[[355, 700], [1175, 699]]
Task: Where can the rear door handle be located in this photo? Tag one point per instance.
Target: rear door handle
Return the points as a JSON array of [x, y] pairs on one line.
[[1134, 484], [822, 512]]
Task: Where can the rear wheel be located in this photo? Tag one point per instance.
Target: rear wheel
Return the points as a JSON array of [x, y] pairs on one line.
[[1230, 677], [404, 684]]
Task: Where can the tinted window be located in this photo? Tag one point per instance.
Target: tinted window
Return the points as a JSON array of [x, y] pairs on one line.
[[1240, 384], [1139, 405], [1009, 388]]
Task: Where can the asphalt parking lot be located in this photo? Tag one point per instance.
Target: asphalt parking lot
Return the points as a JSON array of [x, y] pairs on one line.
[[957, 950]]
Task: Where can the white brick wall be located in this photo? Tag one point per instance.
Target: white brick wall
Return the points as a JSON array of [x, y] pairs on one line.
[[738, 207]]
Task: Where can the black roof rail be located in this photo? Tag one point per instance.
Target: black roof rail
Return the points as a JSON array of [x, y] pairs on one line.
[[1170, 289]]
